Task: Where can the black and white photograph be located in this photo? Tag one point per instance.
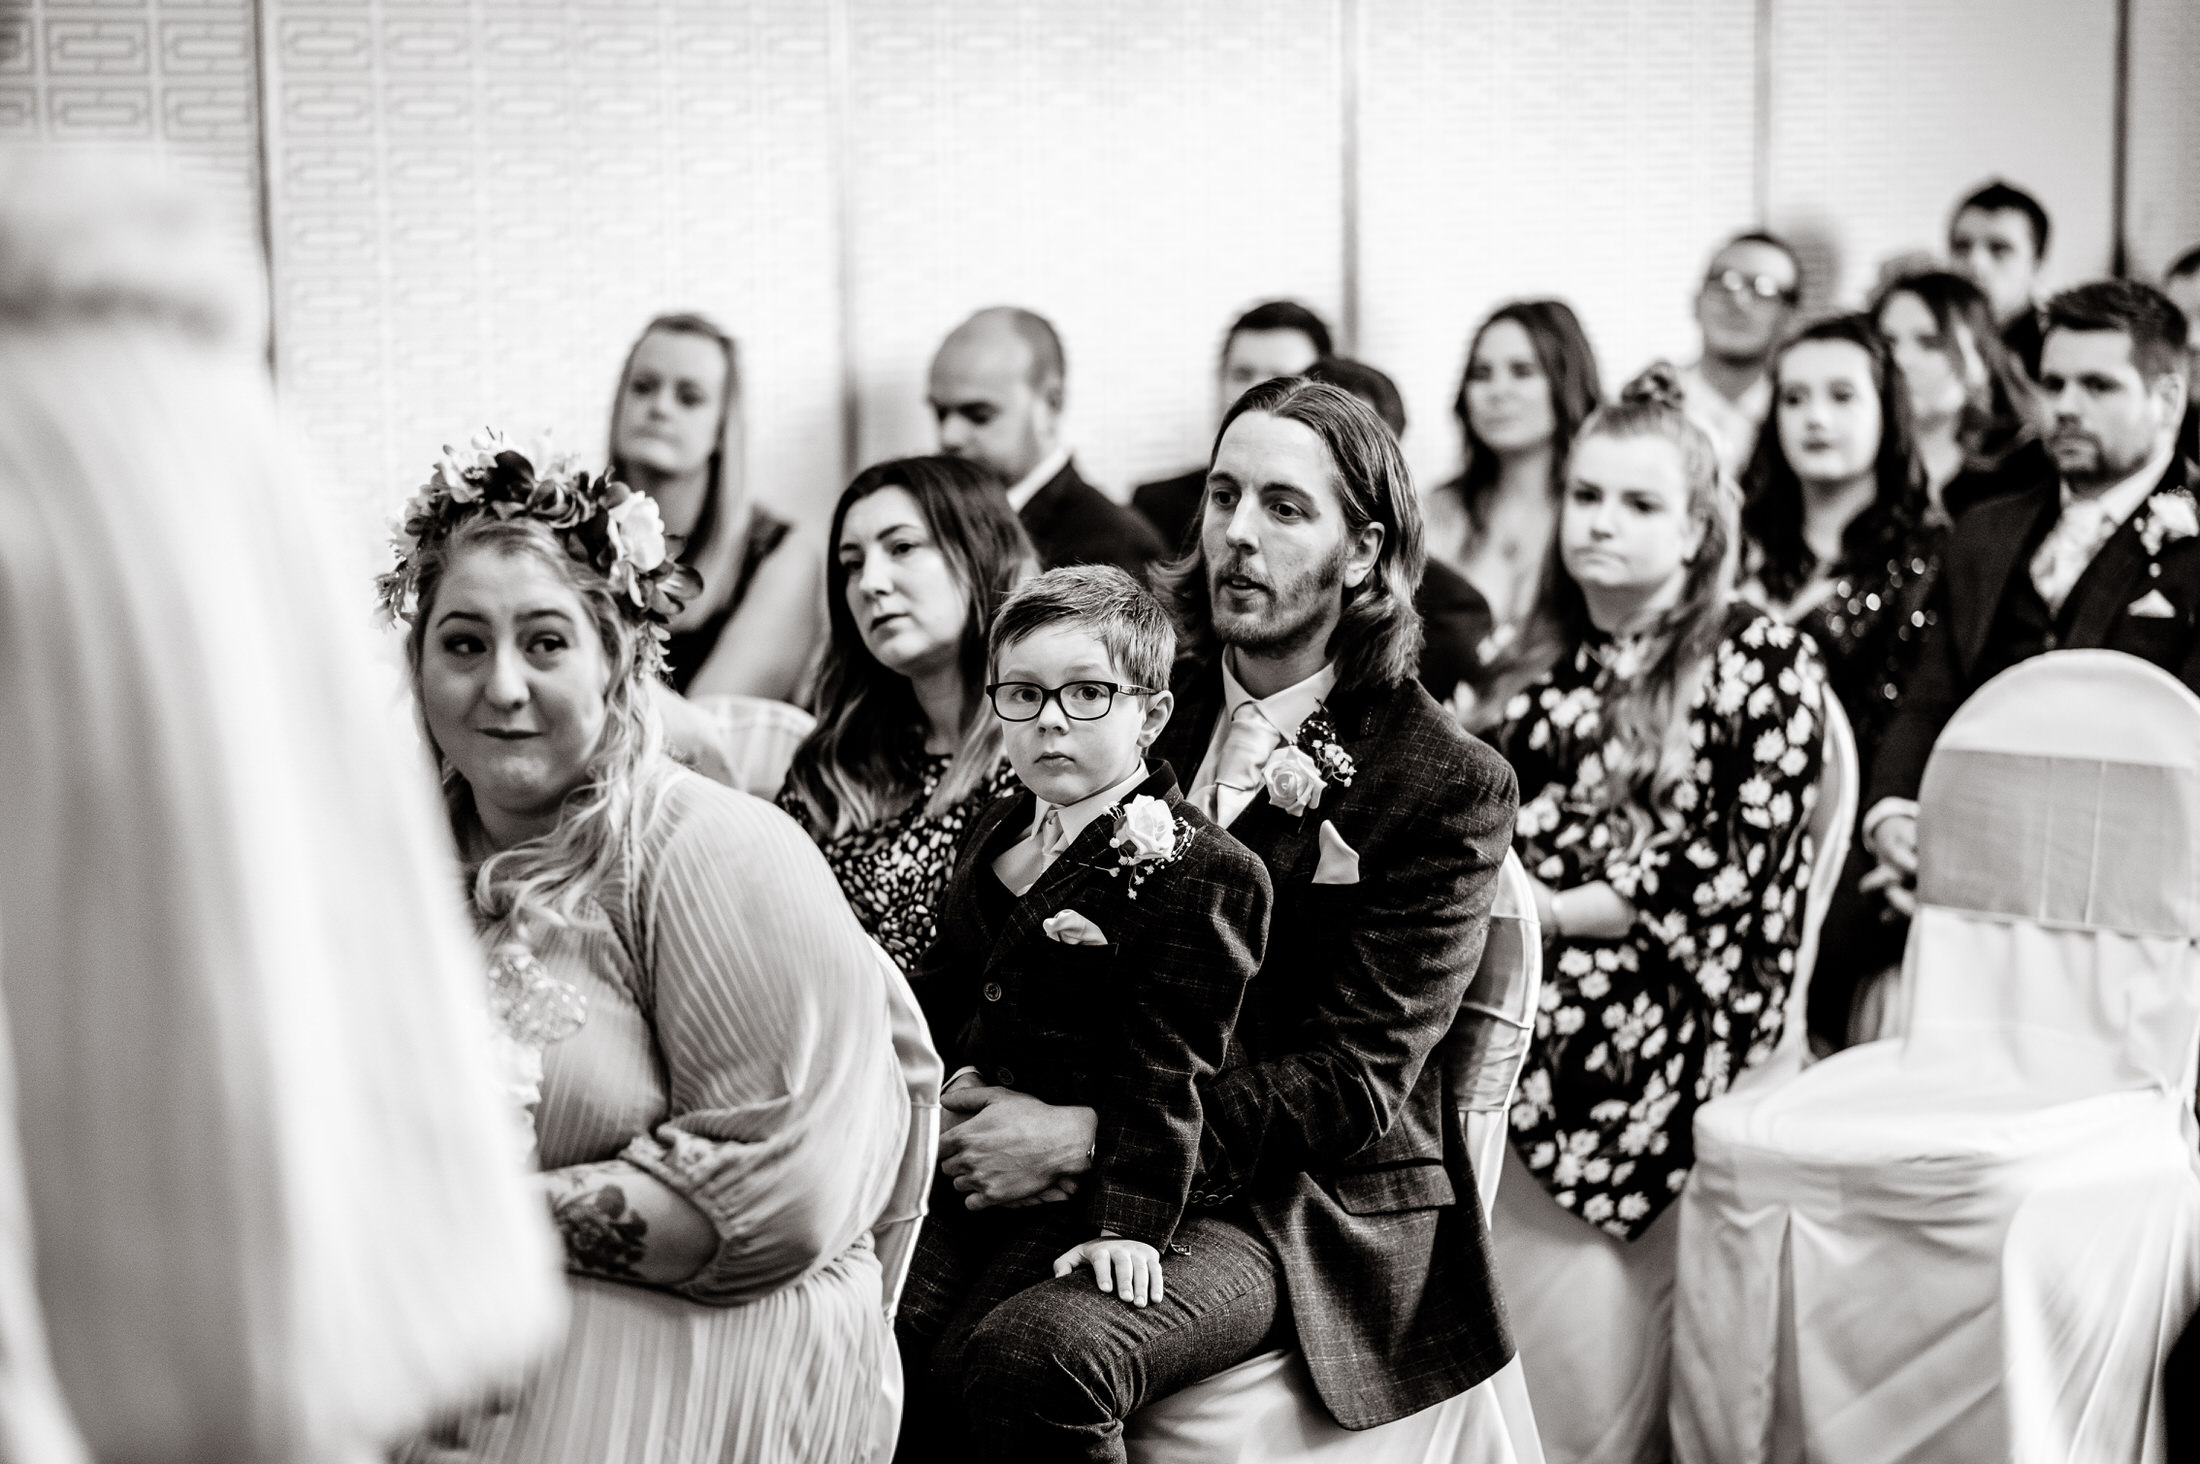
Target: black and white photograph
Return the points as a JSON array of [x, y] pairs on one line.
[[1123, 732]]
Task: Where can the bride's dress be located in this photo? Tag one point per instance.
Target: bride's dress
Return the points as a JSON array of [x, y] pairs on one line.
[[266, 1203]]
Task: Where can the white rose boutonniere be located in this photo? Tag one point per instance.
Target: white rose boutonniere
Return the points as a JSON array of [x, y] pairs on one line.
[[1293, 780], [1148, 836], [2170, 517]]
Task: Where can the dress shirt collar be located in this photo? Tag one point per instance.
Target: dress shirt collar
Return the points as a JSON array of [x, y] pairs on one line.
[[1285, 710], [1076, 817], [2123, 500], [1022, 491]]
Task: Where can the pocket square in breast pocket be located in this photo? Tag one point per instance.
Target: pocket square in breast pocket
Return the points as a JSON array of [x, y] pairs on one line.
[[1071, 928], [2153, 605], [1339, 864]]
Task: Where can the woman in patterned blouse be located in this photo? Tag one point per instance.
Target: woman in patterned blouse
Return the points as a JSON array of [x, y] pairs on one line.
[[924, 552], [1667, 764]]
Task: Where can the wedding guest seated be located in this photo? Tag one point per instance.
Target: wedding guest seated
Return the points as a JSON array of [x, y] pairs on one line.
[[1331, 1212], [1744, 306], [1530, 382], [1455, 619], [1997, 239], [1093, 949], [1666, 763], [2105, 558], [676, 435], [2181, 282], [1974, 413], [1275, 338], [906, 752], [996, 391], [722, 1129]]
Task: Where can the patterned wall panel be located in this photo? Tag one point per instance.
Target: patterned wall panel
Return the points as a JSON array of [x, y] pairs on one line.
[[476, 205], [1589, 149], [1137, 171], [1887, 111], [173, 77], [2163, 219]]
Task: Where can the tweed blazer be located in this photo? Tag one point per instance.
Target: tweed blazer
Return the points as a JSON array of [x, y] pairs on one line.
[[1331, 1122], [1128, 1028], [1987, 572]]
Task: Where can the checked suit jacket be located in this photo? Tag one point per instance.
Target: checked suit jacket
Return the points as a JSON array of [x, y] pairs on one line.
[[1331, 1121], [1129, 1028]]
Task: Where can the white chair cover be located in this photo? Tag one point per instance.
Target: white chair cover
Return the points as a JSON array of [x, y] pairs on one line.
[[1265, 1410], [1591, 1312], [758, 738], [275, 1199], [1979, 1242]]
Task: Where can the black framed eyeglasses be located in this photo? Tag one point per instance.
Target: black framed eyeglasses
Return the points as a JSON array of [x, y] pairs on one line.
[[1080, 701], [1765, 287]]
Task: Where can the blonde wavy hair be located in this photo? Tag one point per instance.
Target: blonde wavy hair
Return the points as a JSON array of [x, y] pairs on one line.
[[543, 882]]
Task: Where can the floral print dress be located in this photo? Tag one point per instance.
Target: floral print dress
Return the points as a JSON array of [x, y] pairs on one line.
[[1636, 1034], [895, 872]]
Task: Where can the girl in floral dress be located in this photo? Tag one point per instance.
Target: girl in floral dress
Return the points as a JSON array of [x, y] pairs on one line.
[[1667, 766]]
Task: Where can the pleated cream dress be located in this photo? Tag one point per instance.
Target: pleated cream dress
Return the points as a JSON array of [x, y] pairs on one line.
[[737, 1046], [265, 1204]]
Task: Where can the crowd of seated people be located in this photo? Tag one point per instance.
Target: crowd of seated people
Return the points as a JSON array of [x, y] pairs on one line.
[[1644, 604], [1173, 829]]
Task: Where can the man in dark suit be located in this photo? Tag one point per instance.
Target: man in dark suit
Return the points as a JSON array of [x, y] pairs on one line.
[[1336, 1207], [996, 392], [1997, 239], [2108, 557], [1274, 338]]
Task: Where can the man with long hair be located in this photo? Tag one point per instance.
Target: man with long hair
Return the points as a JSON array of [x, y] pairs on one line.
[[1329, 1211]]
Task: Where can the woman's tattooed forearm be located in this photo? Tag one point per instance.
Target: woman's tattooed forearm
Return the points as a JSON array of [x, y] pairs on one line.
[[603, 1235]]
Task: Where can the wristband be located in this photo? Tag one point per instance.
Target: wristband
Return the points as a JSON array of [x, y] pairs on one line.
[[1558, 919]]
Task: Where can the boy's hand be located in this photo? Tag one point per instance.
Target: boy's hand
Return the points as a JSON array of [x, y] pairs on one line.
[[1129, 1268]]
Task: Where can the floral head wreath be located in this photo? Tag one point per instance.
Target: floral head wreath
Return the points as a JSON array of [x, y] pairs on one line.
[[602, 523]]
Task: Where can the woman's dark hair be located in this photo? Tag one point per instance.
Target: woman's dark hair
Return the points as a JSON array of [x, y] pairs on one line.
[[1990, 427], [1772, 500], [1562, 348], [863, 764], [1377, 642]]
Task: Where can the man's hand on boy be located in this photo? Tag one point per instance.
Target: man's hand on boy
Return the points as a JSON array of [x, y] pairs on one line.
[[1009, 1146], [1130, 1269]]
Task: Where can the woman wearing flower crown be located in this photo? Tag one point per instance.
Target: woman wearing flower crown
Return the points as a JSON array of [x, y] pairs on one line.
[[719, 1134], [1666, 764]]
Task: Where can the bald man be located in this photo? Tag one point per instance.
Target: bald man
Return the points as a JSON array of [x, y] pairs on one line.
[[996, 392]]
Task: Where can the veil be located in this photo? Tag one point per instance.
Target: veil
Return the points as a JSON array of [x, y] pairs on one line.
[[274, 1208]]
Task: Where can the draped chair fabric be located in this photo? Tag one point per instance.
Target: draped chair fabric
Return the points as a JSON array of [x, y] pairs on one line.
[[1265, 1410], [1979, 1241], [271, 1198]]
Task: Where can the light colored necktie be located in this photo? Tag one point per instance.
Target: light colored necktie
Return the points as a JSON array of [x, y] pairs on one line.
[[1245, 746], [1052, 841], [2078, 535]]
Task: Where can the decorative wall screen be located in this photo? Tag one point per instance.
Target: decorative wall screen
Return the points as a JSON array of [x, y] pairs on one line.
[[472, 205]]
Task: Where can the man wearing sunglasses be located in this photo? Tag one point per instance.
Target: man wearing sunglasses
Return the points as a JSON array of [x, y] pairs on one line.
[[1746, 302]]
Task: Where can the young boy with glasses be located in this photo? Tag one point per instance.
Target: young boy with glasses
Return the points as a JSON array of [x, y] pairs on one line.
[[1094, 946]]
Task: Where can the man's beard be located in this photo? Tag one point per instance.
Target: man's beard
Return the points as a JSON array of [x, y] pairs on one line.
[[1296, 610], [2097, 469]]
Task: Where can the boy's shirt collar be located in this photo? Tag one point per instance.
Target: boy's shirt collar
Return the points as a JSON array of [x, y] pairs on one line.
[[1076, 817]]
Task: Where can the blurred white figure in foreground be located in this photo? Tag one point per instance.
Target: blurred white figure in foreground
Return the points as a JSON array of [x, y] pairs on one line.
[[265, 1201]]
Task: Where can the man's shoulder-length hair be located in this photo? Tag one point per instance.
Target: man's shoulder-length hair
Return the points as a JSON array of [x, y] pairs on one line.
[[1377, 643]]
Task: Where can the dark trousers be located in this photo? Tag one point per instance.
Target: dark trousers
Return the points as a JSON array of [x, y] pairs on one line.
[[1002, 1361], [1863, 936]]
